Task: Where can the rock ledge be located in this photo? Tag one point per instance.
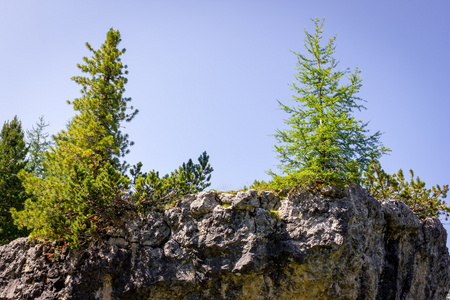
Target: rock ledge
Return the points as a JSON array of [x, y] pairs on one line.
[[232, 247]]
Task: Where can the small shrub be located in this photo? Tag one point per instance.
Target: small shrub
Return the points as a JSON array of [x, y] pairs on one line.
[[301, 180], [422, 201], [158, 193]]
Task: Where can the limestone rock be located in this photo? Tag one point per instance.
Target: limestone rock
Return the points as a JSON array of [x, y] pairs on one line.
[[330, 244], [246, 200], [205, 203]]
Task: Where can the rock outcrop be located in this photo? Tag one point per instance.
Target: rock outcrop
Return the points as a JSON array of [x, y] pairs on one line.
[[311, 245]]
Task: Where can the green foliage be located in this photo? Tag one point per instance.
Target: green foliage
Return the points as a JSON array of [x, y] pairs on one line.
[[102, 107], [422, 201], [278, 183], [12, 194], [155, 192], [74, 209], [84, 184], [305, 179], [324, 138], [197, 175], [38, 143]]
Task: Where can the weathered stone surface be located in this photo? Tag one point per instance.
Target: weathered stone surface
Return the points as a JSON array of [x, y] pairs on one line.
[[205, 203], [319, 247]]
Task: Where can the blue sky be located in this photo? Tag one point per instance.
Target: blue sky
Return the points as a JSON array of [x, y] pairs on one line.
[[206, 75]]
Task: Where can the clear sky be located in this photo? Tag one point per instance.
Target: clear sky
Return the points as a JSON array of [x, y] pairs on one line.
[[206, 75]]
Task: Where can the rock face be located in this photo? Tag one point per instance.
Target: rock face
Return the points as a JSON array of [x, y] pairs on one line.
[[327, 245]]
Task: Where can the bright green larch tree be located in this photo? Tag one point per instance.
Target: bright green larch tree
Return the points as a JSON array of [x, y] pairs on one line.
[[13, 153], [323, 140], [85, 179]]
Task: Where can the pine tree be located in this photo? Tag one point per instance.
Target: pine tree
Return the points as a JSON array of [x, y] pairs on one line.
[[102, 107], [324, 140], [422, 201], [197, 175], [12, 194], [84, 179], [155, 192]]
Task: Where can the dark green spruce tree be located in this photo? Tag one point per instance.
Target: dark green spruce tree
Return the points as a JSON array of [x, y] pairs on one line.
[[323, 140], [12, 193], [84, 180]]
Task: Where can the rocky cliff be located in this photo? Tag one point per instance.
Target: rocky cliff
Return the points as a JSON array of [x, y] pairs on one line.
[[318, 245]]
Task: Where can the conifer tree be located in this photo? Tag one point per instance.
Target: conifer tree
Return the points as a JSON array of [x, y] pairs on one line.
[[38, 143], [102, 107], [324, 140], [197, 175], [422, 201], [84, 176], [12, 194], [155, 192]]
